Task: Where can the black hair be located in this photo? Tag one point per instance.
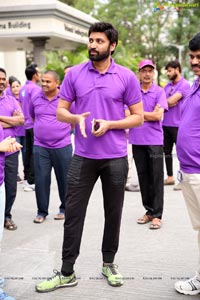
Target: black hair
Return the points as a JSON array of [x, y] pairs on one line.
[[53, 73], [68, 66], [14, 81], [3, 71], [11, 79], [108, 29], [194, 43], [173, 64], [30, 71]]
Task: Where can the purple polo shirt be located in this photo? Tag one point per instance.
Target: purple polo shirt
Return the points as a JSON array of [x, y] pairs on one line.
[[19, 130], [2, 158], [104, 96], [151, 132], [48, 131], [188, 139], [26, 93], [8, 92], [173, 115], [8, 105]]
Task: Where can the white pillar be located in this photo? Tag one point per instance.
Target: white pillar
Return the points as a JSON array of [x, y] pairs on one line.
[[15, 64]]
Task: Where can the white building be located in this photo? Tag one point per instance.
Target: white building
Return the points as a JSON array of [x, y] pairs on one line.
[[38, 25]]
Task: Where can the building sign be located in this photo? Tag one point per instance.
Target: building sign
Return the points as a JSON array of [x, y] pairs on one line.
[[50, 26]]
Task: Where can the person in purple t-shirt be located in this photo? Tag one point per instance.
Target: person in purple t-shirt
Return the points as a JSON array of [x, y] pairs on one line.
[[10, 116], [26, 93], [188, 150], [100, 88], [147, 146], [176, 91], [52, 145], [15, 86], [6, 145]]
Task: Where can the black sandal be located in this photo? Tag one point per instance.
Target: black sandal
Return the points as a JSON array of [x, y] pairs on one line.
[[10, 225]]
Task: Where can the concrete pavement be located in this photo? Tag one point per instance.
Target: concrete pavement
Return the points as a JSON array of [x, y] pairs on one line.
[[151, 261]]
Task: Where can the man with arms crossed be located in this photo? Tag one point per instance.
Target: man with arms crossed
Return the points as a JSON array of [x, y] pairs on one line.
[[176, 91], [100, 88]]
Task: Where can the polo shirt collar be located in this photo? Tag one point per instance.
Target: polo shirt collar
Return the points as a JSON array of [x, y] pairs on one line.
[[111, 69], [150, 90]]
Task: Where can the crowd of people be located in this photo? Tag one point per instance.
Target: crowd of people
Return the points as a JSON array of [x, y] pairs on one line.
[[107, 107]]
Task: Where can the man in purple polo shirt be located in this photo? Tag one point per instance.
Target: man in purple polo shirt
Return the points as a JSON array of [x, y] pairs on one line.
[[26, 93], [176, 91], [99, 88], [10, 116], [188, 150], [6, 145], [147, 146], [52, 146]]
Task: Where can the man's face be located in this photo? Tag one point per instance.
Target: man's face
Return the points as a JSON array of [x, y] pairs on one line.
[[195, 62], [172, 73], [146, 74], [2, 82], [49, 84], [99, 47]]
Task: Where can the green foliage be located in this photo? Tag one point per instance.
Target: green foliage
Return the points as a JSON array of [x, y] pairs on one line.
[[58, 60], [144, 32]]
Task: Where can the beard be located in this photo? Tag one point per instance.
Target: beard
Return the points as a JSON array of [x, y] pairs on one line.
[[99, 56], [173, 77]]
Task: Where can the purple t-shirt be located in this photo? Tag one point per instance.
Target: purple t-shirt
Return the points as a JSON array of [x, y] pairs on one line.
[[8, 92], [151, 132], [8, 105], [26, 93], [104, 96], [173, 115], [188, 139], [2, 158], [48, 131], [19, 130]]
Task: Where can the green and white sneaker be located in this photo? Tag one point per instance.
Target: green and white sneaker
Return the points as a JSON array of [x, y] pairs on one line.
[[112, 274], [55, 282]]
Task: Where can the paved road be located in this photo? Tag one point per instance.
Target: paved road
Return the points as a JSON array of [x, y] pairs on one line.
[[151, 261]]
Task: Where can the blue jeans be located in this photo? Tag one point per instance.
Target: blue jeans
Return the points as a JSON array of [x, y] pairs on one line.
[[44, 160], [22, 141], [82, 175]]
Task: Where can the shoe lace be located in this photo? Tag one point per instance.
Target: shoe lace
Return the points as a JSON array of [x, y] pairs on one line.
[[113, 269], [57, 273]]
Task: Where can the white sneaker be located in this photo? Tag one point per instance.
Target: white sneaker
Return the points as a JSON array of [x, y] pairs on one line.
[[29, 187], [177, 187], [190, 286]]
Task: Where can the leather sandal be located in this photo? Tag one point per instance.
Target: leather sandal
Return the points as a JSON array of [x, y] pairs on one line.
[[155, 224], [59, 216], [10, 225], [39, 219], [145, 219]]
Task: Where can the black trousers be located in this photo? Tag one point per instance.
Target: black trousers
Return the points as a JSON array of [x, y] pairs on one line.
[[11, 169], [149, 165], [170, 137], [29, 161], [82, 175]]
